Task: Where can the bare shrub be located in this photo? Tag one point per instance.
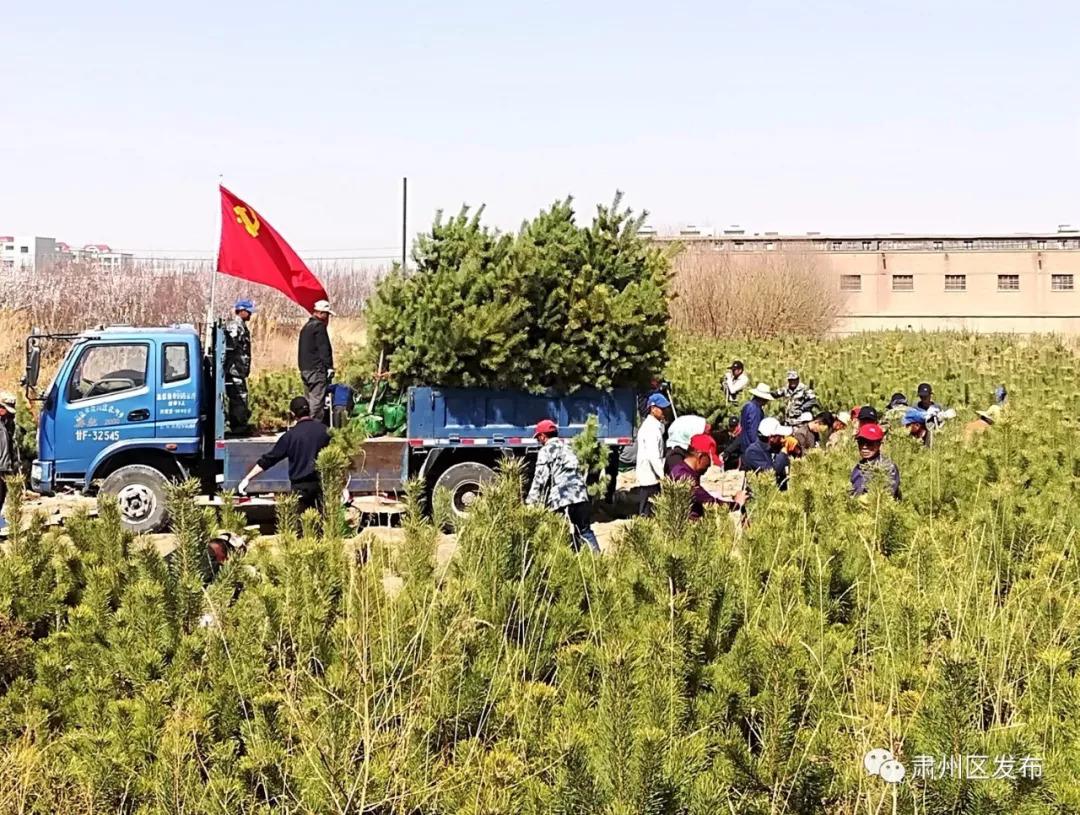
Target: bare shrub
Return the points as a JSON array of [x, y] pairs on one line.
[[760, 294], [76, 296]]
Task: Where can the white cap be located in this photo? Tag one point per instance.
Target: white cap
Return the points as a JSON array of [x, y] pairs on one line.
[[323, 305], [844, 417], [8, 400], [804, 417], [772, 427], [762, 391]]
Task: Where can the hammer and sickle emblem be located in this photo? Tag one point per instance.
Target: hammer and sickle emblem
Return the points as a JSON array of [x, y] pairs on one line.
[[249, 219]]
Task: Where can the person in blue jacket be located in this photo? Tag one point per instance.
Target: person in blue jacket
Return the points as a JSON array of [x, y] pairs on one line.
[[752, 414]]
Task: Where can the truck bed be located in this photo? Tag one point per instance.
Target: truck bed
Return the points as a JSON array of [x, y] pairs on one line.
[[378, 467]]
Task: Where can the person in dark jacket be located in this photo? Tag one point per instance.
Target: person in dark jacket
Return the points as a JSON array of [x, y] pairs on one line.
[[752, 414], [315, 358], [767, 453], [698, 458], [869, 439], [9, 450], [238, 367], [300, 445]]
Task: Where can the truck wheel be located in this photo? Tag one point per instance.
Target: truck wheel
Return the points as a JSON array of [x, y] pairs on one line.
[[140, 494], [464, 482]]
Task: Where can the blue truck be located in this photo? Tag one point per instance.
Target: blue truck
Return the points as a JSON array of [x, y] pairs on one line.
[[133, 408]]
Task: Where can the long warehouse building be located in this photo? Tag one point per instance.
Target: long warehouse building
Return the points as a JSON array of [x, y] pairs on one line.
[[1015, 283]]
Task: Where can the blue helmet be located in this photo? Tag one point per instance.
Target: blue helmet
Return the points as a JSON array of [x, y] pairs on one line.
[[914, 416], [244, 305]]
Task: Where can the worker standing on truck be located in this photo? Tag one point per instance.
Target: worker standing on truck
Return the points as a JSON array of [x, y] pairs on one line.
[[559, 484], [300, 445], [238, 367], [316, 359]]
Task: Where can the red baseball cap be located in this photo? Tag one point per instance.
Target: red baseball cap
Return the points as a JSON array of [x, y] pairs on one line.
[[705, 443], [546, 427], [871, 432]]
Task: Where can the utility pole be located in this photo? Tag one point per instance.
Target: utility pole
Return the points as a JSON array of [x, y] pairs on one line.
[[404, 219]]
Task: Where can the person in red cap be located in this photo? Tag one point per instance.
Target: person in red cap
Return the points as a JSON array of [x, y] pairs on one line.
[[869, 437], [559, 483], [698, 458]]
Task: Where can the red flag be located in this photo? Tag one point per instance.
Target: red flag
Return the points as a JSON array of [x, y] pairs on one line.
[[252, 250]]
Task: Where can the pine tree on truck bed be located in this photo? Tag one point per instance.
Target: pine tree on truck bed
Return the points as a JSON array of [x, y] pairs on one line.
[[555, 306]]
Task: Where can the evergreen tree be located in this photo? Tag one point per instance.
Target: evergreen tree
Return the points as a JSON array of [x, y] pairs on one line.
[[555, 306]]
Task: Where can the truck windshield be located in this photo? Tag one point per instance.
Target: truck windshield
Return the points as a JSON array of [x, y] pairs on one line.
[[108, 369]]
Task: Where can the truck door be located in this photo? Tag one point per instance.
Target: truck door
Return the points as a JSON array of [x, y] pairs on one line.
[[177, 398], [107, 399]]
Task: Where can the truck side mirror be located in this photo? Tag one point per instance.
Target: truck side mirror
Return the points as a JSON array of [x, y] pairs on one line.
[[33, 363]]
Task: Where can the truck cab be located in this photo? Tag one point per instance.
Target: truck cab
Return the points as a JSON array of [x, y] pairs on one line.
[[126, 408]]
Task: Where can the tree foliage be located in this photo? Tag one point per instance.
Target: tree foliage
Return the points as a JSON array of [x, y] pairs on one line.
[[556, 305]]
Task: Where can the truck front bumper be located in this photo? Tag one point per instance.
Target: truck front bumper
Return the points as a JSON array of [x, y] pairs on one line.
[[41, 477]]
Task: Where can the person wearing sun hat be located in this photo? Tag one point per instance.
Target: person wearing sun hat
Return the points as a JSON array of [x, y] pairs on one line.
[[987, 418], [752, 414], [869, 438]]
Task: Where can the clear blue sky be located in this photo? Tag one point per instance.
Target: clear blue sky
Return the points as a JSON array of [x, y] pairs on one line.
[[836, 116]]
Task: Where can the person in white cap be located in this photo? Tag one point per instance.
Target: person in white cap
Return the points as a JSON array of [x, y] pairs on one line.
[[9, 456], [751, 415], [766, 454], [800, 397], [315, 357]]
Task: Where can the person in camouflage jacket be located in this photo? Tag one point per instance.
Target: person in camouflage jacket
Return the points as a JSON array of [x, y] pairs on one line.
[[559, 484], [800, 398], [238, 367]]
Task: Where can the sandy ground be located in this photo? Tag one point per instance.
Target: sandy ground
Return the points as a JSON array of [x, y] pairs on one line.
[[379, 517]]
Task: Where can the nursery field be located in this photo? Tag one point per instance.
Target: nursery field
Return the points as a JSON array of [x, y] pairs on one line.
[[687, 670]]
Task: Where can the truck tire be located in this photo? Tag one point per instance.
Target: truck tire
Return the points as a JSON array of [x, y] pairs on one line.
[[464, 482], [140, 493]]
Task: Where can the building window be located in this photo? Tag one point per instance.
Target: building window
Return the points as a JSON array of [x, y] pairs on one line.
[[1008, 282], [939, 245], [1061, 282], [1040, 244], [850, 282], [837, 246], [903, 282], [956, 282], [969, 244], [10, 247], [25, 250], [867, 245]]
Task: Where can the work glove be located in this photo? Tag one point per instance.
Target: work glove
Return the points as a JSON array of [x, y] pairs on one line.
[[329, 374], [241, 488]]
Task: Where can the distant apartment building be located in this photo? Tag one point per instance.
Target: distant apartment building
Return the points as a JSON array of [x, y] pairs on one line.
[[103, 255], [42, 254], [27, 253], [981, 282]]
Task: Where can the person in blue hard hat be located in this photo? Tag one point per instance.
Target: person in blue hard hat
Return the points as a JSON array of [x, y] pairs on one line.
[[650, 453], [238, 368]]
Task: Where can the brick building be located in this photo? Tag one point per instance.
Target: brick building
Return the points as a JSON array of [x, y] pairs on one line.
[[1017, 283]]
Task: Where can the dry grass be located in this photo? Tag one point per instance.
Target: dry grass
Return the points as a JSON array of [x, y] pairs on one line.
[[759, 294]]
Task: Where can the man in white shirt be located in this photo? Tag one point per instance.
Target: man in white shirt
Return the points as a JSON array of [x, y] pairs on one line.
[[650, 453], [735, 381]]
